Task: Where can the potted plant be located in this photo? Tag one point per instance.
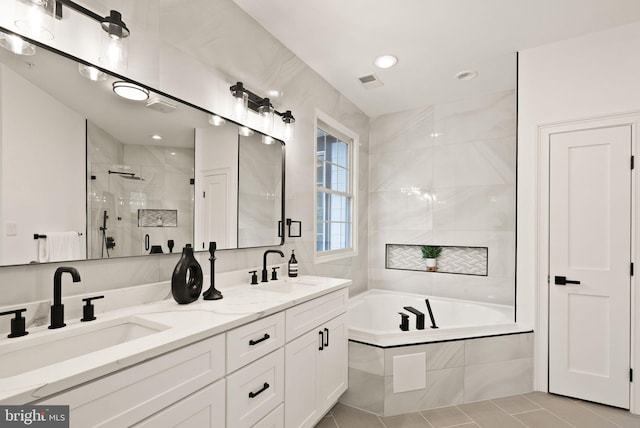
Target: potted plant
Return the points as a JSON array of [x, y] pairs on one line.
[[431, 253]]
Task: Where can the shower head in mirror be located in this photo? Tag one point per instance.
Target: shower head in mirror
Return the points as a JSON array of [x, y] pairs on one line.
[[127, 175]]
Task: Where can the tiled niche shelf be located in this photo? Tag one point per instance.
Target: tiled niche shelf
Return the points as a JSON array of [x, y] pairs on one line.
[[456, 260], [157, 218]]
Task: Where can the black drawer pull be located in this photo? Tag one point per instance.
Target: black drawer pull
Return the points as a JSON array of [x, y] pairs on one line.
[[263, 389], [262, 339], [321, 341], [326, 344]]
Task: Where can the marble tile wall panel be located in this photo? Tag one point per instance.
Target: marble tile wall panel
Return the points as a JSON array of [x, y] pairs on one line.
[[446, 173], [461, 260], [366, 391], [501, 379]]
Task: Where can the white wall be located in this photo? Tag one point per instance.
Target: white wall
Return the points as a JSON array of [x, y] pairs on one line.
[[445, 175], [200, 70], [586, 77], [50, 144]]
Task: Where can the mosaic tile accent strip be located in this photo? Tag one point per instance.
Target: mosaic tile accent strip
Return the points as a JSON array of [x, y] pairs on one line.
[[157, 218], [458, 260]]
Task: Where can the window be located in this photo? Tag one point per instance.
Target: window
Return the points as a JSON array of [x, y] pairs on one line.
[[335, 191]]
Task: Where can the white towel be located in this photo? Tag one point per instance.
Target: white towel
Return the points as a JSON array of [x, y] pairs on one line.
[[61, 246]]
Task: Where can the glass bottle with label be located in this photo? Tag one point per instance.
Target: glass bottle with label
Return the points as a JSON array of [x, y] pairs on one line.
[[293, 265]]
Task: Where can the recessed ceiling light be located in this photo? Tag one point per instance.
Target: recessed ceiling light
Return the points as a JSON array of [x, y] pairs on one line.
[[274, 93], [467, 75], [130, 91], [156, 137], [385, 61], [91, 73], [267, 140]]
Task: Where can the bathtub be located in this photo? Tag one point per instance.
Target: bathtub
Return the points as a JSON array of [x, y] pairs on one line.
[[374, 319]]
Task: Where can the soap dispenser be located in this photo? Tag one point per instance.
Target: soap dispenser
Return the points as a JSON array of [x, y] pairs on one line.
[[293, 265], [186, 281]]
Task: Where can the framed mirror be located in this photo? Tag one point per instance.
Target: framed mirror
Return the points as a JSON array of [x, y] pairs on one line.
[[88, 174]]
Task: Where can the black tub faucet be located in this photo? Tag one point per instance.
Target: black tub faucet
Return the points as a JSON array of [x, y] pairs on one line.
[[57, 309], [419, 317], [264, 263]]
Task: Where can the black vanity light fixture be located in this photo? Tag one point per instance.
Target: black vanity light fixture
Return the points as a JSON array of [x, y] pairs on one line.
[[35, 19], [246, 100], [114, 43]]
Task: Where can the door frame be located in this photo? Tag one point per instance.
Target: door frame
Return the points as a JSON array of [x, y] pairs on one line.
[[541, 352]]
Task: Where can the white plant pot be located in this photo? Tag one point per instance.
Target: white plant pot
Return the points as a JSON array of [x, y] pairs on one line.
[[432, 265]]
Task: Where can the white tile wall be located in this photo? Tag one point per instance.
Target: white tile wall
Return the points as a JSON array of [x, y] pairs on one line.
[[446, 174]]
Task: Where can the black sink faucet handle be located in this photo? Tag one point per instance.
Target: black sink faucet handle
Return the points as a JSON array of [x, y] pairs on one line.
[[274, 273], [254, 277], [88, 308], [17, 323]]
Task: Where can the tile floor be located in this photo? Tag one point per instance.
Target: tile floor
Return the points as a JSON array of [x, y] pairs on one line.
[[534, 410]]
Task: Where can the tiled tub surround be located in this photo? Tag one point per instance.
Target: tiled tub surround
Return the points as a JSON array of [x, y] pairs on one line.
[[374, 319], [458, 260], [187, 324], [405, 379], [458, 162]]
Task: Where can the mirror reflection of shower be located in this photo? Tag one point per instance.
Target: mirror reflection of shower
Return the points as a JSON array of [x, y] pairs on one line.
[[140, 196]]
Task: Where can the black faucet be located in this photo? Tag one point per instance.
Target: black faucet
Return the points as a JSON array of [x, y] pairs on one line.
[[264, 263], [57, 309]]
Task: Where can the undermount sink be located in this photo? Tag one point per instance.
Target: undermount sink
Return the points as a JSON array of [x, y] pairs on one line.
[[50, 347], [286, 285]]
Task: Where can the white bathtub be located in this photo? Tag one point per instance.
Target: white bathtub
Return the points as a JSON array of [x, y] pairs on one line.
[[374, 319]]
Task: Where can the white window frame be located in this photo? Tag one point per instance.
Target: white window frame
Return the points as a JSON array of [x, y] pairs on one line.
[[353, 139]]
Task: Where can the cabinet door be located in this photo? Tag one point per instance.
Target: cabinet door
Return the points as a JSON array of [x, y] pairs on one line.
[[302, 380], [204, 408], [334, 360]]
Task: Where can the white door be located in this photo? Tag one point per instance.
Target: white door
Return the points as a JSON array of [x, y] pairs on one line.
[[589, 245], [215, 215], [302, 398]]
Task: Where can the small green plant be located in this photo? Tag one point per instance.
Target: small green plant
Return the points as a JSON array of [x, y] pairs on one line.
[[430, 251]]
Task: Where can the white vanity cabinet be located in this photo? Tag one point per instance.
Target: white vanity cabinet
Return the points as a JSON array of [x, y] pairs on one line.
[[284, 370], [316, 371], [136, 393]]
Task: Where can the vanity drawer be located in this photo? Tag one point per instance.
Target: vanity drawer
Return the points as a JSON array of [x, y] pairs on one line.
[[250, 342], [255, 390], [132, 394], [274, 419], [204, 408], [306, 316]]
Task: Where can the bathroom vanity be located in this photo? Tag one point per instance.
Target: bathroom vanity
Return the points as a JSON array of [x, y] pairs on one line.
[[269, 355]]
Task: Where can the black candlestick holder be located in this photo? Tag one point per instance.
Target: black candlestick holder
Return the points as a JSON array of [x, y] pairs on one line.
[[212, 293]]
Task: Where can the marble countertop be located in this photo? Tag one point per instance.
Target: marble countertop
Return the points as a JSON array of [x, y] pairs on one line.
[[182, 325]]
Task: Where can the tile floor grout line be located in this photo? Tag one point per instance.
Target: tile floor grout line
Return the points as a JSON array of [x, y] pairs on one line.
[[381, 421], [579, 403], [551, 412], [428, 422]]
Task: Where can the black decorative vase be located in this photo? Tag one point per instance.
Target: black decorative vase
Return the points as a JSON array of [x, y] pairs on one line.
[[186, 281]]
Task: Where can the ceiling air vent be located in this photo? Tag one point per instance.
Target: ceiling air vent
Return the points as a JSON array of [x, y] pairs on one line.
[[161, 105], [370, 81]]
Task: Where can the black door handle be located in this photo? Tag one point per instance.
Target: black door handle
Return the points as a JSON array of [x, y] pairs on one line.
[[321, 347], [326, 344], [562, 280]]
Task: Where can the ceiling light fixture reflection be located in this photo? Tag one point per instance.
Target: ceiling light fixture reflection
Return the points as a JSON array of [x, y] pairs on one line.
[[385, 61], [16, 44], [268, 140], [156, 137], [244, 131], [130, 91], [216, 120], [91, 73]]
